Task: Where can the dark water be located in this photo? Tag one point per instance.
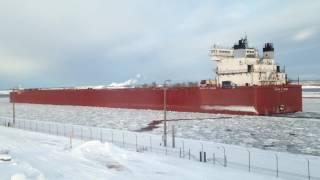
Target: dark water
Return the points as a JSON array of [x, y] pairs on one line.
[[312, 90]]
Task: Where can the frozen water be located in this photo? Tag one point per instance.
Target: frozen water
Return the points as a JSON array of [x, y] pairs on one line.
[[296, 133]]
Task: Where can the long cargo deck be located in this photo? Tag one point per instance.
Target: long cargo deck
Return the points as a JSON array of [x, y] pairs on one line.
[[250, 100]]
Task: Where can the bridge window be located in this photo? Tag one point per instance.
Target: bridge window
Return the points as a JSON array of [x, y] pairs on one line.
[[250, 68]]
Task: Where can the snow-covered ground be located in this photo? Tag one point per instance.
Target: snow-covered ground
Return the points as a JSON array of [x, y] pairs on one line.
[[297, 133], [36, 156]]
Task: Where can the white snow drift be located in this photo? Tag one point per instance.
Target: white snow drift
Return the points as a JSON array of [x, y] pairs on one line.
[[38, 156]]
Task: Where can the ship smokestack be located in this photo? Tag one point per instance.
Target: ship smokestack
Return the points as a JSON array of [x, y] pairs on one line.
[[268, 51]]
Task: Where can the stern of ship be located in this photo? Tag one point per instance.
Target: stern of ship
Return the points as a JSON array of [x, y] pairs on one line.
[[278, 99]]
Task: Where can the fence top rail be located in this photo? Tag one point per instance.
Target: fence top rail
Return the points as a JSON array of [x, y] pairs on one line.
[[187, 142]]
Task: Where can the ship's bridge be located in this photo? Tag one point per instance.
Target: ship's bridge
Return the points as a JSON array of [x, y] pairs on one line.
[[240, 50], [218, 53], [241, 65]]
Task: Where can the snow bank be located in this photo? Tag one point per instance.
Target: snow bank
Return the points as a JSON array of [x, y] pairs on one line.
[[5, 157], [102, 153], [44, 157]]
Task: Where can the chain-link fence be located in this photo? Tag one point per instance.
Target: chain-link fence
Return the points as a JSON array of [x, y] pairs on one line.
[[253, 160]]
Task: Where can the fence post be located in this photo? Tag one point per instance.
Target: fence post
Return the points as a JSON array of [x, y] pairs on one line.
[[224, 156], [112, 137], [183, 148], [202, 147], [150, 143], [70, 142], [204, 157], [49, 127], [277, 165], [123, 139], [173, 137], [136, 142], [72, 130], [71, 136], [180, 153], [64, 130], [309, 176], [249, 160], [101, 138], [214, 158], [14, 113], [81, 132], [225, 161], [189, 154]]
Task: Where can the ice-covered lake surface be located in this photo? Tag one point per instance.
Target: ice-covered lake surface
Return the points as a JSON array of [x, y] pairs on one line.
[[295, 133]]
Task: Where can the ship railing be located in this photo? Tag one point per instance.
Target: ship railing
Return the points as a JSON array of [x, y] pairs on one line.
[[212, 154], [221, 72], [217, 46]]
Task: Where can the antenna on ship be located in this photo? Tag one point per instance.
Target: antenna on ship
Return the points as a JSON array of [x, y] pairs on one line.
[[245, 37]]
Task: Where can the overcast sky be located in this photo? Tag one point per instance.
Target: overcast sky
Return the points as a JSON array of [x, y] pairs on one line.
[[80, 42]]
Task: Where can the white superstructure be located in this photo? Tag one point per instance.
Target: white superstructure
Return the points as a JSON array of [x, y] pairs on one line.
[[242, 66]]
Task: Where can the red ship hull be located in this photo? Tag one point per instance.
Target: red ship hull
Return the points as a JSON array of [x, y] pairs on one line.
[[253, 100]]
